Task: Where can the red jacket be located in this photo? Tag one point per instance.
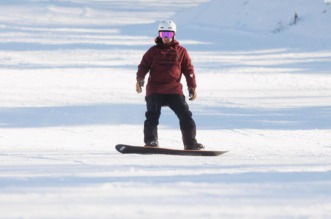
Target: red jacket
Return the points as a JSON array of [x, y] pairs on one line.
[[166, 64]]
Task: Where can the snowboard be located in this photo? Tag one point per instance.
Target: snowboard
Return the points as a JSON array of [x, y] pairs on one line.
[[130, 149]]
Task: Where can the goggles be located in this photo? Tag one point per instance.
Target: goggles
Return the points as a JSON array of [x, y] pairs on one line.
[[166, 34]]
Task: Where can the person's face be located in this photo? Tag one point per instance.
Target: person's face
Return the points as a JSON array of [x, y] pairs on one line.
[[166, 40], [167, 36]]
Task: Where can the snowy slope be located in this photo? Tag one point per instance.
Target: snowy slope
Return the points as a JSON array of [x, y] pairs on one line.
[[67, 96], [256, 23]]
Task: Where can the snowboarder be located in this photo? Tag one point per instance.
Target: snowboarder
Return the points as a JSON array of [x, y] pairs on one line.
[[166, 62]]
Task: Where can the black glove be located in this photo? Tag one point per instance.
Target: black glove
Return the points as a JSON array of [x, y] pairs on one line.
[[192, 93], [140, 83]]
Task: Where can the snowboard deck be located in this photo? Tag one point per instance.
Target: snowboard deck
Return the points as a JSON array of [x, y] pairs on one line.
[[130, 149]]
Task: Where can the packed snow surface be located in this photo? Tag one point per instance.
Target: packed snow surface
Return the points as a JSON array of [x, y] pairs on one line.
[[67, 97]]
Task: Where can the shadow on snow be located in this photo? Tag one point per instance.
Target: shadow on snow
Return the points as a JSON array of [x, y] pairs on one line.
[[304, 118]]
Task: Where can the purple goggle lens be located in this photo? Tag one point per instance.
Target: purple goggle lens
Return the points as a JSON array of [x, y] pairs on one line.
[[167, 34]]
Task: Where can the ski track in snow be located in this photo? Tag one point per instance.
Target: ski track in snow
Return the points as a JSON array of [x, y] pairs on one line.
[[67, 97]]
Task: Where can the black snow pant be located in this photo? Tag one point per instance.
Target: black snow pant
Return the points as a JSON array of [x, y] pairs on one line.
[[176, 103]]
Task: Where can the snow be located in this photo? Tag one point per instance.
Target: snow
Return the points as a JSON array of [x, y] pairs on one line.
[[67, 97], [253, 24]]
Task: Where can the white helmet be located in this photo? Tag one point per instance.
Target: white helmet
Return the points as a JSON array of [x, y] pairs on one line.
[[167, 25]]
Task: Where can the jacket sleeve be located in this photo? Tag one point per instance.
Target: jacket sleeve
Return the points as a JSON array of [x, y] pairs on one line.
[[188, 70], [145, 64]]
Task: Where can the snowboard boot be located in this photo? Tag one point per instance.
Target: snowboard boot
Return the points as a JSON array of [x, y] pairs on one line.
[[195, 146], [153, 144]]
